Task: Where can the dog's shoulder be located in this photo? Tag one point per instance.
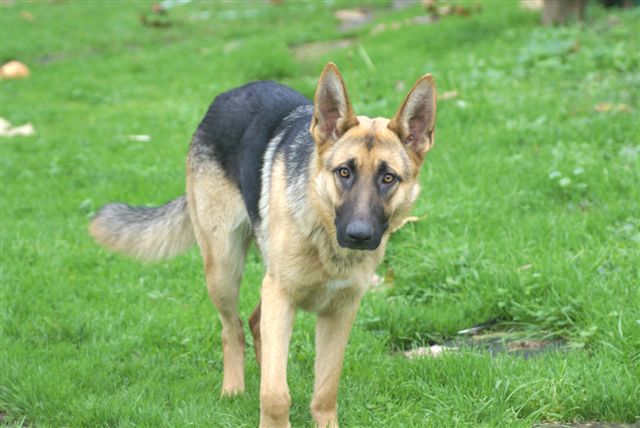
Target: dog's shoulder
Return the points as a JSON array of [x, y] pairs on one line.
[[236, 131]]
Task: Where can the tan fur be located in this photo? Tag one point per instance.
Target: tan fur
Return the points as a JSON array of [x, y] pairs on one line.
[[312, 271], [121, 228], [222, 230], [306, 268]]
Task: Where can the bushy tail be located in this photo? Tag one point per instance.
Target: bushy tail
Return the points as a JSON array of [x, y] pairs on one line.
[[146, 233]]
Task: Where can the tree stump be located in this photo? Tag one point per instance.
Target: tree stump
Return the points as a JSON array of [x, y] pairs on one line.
[[557, 12]]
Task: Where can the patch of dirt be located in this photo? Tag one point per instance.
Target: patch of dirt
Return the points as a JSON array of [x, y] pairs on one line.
[[495, 342], [351, 19], [509, 343], [313, 50]]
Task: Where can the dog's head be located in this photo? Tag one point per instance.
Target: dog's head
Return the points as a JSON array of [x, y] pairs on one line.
[[368, 168]]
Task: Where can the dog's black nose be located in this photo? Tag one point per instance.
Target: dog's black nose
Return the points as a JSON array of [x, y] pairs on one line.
[[359, 231]]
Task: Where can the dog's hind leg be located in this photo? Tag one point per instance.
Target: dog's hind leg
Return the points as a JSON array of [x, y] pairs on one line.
[[221, 225]]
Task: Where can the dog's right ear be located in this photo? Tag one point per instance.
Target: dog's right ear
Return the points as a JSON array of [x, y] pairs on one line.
[[415, 121], [332, 112]]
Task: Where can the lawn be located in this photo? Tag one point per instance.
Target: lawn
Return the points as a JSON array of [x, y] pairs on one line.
[[529, 215]]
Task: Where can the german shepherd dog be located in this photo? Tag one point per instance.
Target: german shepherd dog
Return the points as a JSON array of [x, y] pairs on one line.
[[319, 188]]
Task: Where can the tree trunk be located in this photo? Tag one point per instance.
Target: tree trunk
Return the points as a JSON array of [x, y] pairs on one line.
[[559, 11]]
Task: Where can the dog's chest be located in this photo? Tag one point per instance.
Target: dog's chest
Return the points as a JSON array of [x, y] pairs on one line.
[[321, 296], [337, 284]]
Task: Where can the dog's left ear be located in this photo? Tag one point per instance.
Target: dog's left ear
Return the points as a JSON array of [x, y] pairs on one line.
[[415, 120], [332, 112]]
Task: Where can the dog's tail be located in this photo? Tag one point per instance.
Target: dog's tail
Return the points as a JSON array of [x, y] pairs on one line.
[[145, 233]]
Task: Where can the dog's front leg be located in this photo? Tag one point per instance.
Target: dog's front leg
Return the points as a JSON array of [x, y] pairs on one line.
[[332, 335], [276, 322]]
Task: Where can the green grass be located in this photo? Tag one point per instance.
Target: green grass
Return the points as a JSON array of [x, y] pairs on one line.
[[532, 200]]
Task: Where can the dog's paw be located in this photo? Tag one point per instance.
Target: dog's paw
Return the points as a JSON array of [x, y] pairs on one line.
[[232, 390]]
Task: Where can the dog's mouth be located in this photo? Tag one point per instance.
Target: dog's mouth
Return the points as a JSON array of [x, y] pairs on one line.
[[363, 246]]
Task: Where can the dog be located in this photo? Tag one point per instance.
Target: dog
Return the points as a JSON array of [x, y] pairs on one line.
[[318, 188]]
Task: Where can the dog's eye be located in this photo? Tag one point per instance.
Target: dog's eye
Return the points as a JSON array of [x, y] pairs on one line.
[[388, 178], [344, 172]]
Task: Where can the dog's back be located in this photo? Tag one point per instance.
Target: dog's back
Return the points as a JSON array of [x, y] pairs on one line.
[[237, 128], [231, 139]]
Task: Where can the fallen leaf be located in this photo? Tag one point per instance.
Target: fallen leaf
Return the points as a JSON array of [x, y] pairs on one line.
[[428, 351], [624, 108], [379, 283], [532, 4], [409, 219], [14, 70], [389, 277], [376, 280], [461, 11], [603, 107], [430, 5], [353, 18], [606, 107], [448, 95], [140, 138], [158, 8], [6, 130], [399, 85], [444, 10], [155, 20], [27, 16], [4, 125], [350, 14], [416, 20]]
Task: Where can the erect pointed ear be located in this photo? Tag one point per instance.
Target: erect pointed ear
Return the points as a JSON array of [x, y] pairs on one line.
[[332, 112], [415, 120]]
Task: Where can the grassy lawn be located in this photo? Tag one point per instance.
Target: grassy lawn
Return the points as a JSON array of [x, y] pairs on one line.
[[529, 216]]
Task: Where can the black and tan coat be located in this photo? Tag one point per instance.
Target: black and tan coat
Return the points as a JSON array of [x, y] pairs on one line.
[[318, 188]]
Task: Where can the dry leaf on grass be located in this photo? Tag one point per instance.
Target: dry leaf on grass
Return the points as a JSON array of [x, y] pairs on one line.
[[607, 107], [27, 16], [14, 70], [6, 130], [428, 351], [140, 138], [532, 4], [448, 95], [353, 18], [376, 281], [603, 107], [379, 283], [416, 20], [409, 219]]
